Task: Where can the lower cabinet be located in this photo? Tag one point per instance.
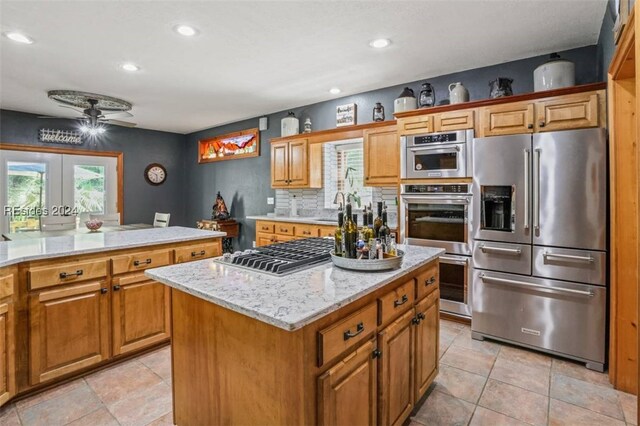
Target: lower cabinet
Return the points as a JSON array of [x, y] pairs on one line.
[[140, 311], [7, 352], [347, 392], [68, 329], [427, 341]]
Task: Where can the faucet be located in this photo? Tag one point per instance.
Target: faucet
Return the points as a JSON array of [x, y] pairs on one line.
[[335, 200]]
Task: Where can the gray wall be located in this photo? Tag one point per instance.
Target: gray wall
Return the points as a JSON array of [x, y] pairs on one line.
[[245, 184], [139, 146], [605, 45]]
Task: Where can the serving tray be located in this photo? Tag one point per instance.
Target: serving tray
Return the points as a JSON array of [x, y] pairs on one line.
[[393, 262]]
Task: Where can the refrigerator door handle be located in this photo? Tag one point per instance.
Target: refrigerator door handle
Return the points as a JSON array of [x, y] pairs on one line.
[[547, 255], [526, 188], [494, 280], [536, 189]]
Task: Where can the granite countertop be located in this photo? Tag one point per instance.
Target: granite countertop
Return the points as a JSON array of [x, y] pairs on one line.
[[297, 219], [289, 302], [12, 252]]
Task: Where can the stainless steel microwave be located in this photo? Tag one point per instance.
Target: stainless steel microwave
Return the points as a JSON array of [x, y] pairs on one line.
[[436, 155]]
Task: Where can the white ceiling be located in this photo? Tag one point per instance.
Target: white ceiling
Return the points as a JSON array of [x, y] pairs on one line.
[[253, 58]]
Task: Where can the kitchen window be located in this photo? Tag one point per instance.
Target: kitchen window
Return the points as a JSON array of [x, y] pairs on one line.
[[344, 172]]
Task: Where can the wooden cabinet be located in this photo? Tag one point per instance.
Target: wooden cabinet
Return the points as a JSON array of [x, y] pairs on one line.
[[140, 313], [342, 335], [327, 231], [454, 120], [140, 261], [68, 329], [263, 239], [415, 125], [506, 119], [296, 164], [278, 232], [396, 342], [567, 112], [381, 156], [7, 352], [427, 333], [197, 252], [66, 273], [347, 392]]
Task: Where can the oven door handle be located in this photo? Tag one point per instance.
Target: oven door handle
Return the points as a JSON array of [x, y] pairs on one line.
[[455, 260], [444, 200], [495, 280], [437, 149], [500, 250]]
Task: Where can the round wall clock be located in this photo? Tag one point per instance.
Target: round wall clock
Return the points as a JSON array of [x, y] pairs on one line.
[[155, 174]]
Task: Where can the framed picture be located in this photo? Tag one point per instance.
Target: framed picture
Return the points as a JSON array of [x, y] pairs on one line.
[[231, 146], [346, 115]]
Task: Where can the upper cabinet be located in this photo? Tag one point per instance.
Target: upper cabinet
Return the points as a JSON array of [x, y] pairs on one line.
[[506, 119], [381, 156], [296, 163]]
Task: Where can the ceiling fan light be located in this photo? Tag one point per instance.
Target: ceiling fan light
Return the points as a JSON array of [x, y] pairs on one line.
[[101, 130], [18, 37], [84, 129]]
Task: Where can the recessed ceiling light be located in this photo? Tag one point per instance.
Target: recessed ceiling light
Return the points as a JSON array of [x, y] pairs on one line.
[[334, 90], [185, 30], [18, 37], [380, 43], [130, 67]]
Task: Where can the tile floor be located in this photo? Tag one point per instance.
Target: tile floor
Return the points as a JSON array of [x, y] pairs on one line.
[[480, 383]]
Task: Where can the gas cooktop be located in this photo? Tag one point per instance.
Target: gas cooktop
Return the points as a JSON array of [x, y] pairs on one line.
[[282, 258]]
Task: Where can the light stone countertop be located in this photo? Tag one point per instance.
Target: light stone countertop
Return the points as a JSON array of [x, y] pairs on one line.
[[12, 252], [289, 302], [296, 219]]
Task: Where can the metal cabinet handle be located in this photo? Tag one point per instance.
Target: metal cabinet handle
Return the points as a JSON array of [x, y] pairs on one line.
[[500, 250], [306, 232], [526, 187], [265, 228], [377, 353], [400, 302], [138, 263], [495, 280], [359, 329], [103, 290], [536, 189], [530, 126], [77, 273], [367, 178], [415, 320], [541, 124], [421, 316], [588, 259], [429, 281], [454, 260], [116, 287], [196, 254], [284, 230]]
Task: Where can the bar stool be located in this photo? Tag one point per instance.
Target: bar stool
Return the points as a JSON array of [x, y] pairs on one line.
[[161, 220]]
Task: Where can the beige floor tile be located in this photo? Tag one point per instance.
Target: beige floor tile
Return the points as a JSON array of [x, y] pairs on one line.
[[525, 356], [23, 404], [143, 406], [515, 402], [444, 410], [121, 380], [468, 360], [166, 420], [459, 383], [62, 409], [593, 397], [451, 325], [9, 415], [485, 417], [159, 362], [561, 413], [579, 371], [629, 404], [485, 346], [100, 417], [535, 379]]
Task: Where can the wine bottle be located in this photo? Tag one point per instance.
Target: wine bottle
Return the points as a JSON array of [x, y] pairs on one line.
[[370, 219], [338, 234], [383, 232], [350, 235], [377, 223], [367, 230]]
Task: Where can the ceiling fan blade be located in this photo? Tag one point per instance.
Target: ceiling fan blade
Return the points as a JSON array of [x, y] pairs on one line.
[[61, 118], [70, 107], [120, 123], [117, 114]]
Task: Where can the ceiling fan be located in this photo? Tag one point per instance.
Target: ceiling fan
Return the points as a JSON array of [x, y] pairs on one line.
[[95, 109]]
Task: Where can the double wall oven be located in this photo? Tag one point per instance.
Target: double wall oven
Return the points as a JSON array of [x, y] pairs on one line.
[[438, 215]]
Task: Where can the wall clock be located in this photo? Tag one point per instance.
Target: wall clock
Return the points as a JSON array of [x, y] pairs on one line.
[[155, 174]]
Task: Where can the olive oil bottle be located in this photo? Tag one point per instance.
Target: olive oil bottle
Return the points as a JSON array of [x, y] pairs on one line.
[[378, 222], [383, 232], [350, 234], [367, 230], [338, 234]]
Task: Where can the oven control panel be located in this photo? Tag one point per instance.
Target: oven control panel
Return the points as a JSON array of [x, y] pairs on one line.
[[436, 189]]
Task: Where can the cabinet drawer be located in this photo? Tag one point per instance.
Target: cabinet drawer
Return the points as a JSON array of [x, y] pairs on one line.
[[266, 227], [140, 261], [413, 125], [507, 119], [454, 120], [396, 301], [306, 231], [326, 231], [197, 252], [583, 266], [6, 285], [427, 281], [337, 338], [285, 228], [47, 276]]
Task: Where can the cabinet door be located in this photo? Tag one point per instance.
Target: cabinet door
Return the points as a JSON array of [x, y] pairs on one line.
[[567, 112], [381, 156], [298, 162], [414, 125], [396, 370], [263, 239], [7, 353], [506, 119], [279, 164], [347, 392], [427, 335], [68, 330], [454, 120], [140, 313]]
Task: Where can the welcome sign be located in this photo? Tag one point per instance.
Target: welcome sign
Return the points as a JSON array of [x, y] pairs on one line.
[[61, 136]]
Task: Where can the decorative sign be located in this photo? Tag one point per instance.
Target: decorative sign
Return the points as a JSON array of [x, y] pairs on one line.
[[230, 146], [346, 115], [61, 136]]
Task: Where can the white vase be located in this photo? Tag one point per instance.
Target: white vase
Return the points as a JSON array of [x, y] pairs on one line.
[[458, 93], [289, 125]]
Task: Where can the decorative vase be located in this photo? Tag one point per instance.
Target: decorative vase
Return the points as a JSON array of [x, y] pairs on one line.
[[458, 93], [406, 101], [289, 125], [427, 96], [554, 74], [307, 125], [378, 112], [500, 87]]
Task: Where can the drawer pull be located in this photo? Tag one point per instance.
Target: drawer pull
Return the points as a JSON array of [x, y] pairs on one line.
[[359, 329], [400, 302], [284, 229], [306, 232], [588, 259], [103, 290], [500, 250], [265, 228], [429, 281], [77, 273], [493, 280], [138, 262], [196, 254], [116, 287]]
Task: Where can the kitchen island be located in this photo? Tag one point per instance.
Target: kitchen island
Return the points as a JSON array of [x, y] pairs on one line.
[[320, 346]]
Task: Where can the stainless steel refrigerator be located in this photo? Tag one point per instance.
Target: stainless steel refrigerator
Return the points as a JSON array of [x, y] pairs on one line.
[[539, 233]]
